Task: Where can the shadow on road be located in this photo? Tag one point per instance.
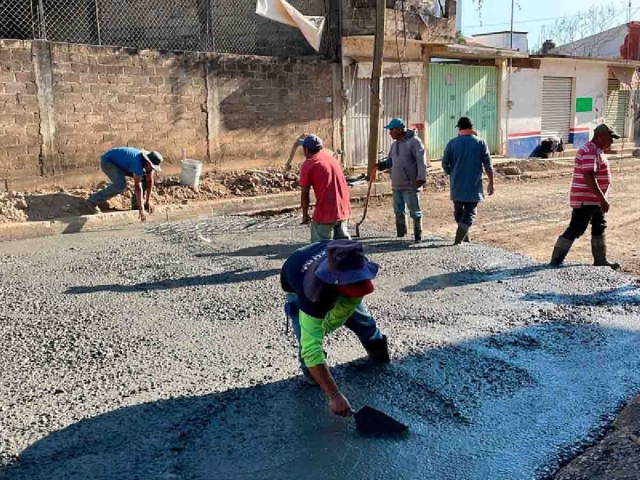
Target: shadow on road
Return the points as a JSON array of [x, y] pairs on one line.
[[626, 295], [234, 276], [496, 407], [471, 277]]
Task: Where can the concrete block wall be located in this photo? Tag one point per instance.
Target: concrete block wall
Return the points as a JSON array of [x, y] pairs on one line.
[[19, 112], [63, 105]]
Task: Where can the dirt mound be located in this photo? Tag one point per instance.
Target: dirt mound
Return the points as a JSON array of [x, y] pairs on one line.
[[522, 166], [12, 207]]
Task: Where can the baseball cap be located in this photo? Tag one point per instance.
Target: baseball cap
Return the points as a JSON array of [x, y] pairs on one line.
[[464, 123], [312, 142], [604, 128], [396, 123], [154, 158]]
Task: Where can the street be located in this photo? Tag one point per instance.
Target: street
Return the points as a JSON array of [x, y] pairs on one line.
[[161, 352]]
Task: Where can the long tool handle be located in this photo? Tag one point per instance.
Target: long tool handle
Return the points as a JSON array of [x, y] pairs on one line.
[[372, 179]]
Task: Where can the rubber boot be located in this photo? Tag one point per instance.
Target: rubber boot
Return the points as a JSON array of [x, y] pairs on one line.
[[560, 251], [599, 250], [378, 350], [462, 232], [401, 228], [417, 230]]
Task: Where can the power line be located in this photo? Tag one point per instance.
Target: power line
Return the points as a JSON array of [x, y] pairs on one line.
[[534, 20]]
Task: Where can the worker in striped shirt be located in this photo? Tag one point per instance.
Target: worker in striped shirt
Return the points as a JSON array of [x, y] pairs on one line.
[[588, 198]]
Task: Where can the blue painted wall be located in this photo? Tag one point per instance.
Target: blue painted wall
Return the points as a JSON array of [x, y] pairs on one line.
[[521, 147], [578, 139]]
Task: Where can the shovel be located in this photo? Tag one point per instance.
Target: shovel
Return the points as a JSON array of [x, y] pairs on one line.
[[372, 421]]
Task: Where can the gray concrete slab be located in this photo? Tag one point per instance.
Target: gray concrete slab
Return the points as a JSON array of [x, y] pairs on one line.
[[162, 354]]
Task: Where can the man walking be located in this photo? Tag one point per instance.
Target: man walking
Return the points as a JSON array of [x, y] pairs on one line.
[[588, 199], [119, 163], [325, 285], [408, 166], [322, 172], [464, 159]]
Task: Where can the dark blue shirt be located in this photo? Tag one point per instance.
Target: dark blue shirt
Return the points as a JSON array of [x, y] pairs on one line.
[[128, 159], [302, 261]]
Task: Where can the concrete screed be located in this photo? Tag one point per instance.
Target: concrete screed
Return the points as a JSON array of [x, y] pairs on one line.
[[157, 355]]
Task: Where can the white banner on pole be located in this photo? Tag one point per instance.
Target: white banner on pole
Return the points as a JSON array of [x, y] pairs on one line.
[[280, 11]]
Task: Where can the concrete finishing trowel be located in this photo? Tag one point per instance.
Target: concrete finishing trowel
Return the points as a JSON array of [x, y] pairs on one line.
[[372, 421]]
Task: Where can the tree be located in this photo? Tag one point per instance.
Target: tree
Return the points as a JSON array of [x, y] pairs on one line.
[[586, 34]]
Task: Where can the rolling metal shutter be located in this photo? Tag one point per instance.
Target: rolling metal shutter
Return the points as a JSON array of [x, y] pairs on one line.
[[557, 98], [617, 107]]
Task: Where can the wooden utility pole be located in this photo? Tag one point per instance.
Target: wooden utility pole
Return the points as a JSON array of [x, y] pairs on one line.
[[376, 87]]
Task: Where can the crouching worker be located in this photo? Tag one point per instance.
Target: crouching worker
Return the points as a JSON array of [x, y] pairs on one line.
[[325, 285], [119, 163]]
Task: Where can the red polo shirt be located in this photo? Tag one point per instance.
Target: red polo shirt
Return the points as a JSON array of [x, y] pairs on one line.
[[323, 173], [589, 159]]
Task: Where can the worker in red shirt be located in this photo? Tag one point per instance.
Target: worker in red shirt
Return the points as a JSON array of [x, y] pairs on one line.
[[322, 172]]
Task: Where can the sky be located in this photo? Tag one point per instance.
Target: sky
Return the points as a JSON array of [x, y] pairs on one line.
[[531, 15]]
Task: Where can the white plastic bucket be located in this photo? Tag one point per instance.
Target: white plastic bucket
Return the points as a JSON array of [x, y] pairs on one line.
[[190, 173]]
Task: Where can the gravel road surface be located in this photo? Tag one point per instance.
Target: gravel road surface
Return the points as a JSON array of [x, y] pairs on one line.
[[163, 354]]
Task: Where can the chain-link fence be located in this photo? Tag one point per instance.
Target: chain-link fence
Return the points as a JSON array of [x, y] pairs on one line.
[[223, 26]]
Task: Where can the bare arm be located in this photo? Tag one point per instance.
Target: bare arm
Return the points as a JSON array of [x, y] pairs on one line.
[[590, 178], [337, 402], [305, 201], [150, 181], [138, 193]]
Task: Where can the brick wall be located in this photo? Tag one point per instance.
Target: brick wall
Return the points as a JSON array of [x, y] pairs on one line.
[[265, 103], [237, 111], [107, 97], [19, 114]]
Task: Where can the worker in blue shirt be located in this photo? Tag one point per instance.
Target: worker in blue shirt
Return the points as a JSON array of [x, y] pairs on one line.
[[121, 162]]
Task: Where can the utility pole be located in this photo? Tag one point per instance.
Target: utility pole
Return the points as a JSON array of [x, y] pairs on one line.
[[376, 88]]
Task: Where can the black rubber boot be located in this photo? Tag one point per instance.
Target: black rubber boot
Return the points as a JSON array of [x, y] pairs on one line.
[[401, 229], [560, 251], [599, 250], [378, 350], [461, 232], [417, 230]]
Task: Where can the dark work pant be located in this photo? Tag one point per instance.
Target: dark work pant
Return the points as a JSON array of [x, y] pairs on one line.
[[580, 219], [465, 212]]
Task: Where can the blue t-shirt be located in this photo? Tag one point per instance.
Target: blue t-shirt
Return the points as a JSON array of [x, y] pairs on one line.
[[292, 279], [128, 159]]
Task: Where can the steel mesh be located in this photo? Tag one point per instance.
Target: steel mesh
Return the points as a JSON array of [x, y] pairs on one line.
[[222, 26]]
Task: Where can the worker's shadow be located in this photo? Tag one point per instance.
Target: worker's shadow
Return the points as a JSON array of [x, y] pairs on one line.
[[234, 276], [456, 399], [470, 277], [628, 295], [282, 251]]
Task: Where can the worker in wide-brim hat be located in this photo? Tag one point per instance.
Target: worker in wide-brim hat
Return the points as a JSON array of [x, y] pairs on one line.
[[120, 163], [326, 283]]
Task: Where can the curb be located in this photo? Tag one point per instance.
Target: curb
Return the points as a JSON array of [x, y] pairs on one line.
[[168, 213]]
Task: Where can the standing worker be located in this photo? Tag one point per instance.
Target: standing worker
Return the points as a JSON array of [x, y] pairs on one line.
[[408, 166], [322, 172], [464, 159], [121, 162], [588, 199], [325, 284]]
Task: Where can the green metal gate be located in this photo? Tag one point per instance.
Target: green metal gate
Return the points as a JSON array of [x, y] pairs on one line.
[[461, 91]]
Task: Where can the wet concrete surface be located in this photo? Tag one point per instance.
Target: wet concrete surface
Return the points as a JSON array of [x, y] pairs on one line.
[[163, 354]]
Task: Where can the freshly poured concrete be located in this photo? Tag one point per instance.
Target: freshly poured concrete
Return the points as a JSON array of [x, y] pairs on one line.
[[159, 355]]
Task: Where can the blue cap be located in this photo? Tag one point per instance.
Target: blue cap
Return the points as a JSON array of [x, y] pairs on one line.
[[312, 142], [396, 123]]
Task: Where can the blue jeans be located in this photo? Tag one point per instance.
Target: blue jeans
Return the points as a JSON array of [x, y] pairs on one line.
[[361, 323], [410, 198], [119, 183]]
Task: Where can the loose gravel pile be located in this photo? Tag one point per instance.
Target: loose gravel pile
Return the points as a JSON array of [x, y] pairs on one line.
[[164, 354]]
